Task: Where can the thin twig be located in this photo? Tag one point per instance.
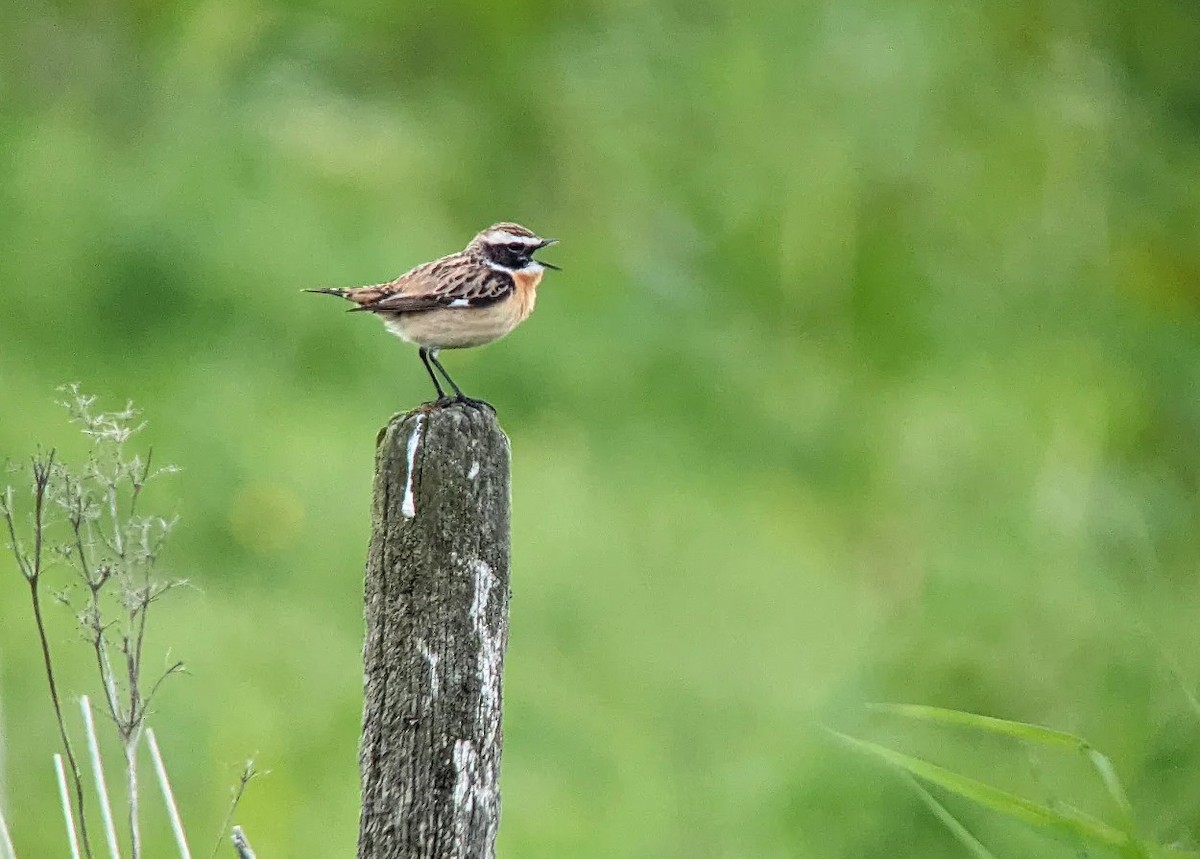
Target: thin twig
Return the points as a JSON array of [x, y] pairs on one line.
[[63, 795], [118, 543], [58, 714], [139, 481], [107, 677], [110, 829], [41, 480], [15, 545], [175, 668], [241, 845], [168, 796], [143, 611], [249, 773]]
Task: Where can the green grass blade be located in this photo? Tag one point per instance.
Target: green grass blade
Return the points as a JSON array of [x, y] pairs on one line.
[[1035, 734], [1020, 730], [1108, 775], [1112, 784], [973, 844], [1075, 827]]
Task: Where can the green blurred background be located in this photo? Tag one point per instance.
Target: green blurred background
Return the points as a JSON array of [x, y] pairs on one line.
[[872, 374]]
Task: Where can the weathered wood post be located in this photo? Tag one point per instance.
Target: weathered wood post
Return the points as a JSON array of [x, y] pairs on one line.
[[437, 628]]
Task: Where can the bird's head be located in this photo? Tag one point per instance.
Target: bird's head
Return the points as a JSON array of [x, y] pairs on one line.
[[511, 246]]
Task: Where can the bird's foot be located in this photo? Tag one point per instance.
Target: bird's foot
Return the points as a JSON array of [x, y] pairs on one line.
[[460, 400], [473, 403]]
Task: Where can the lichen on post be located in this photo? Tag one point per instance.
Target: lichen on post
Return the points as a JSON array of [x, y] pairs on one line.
[[437, 592]]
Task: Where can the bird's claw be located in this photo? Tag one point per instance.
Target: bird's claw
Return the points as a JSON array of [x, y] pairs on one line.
[[461, 399], [473, 403]]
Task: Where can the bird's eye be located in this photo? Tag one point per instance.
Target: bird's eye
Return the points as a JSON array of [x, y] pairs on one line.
[[516, 247]]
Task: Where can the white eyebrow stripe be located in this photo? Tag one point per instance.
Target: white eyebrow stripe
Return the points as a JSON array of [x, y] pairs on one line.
[[501, 237]]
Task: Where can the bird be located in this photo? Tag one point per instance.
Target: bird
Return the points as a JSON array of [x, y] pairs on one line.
[[465, 299]]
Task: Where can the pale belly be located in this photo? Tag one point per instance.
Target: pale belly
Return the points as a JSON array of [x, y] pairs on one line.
[[460, 328]]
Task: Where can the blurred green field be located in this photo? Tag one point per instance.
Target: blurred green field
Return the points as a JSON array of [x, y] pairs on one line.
[[873, 373]]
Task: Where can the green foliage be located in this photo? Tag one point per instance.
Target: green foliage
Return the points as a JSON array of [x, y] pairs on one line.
[[1069, 823], [1074, 826], [871, 375], [969, 841]]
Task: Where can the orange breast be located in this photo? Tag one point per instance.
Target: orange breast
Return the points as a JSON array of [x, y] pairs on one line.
[[527, 284]]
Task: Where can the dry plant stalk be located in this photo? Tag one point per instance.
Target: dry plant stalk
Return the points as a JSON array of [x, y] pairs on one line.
[[89, 522], [249, 773]]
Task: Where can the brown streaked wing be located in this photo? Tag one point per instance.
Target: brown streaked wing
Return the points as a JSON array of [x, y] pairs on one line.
[[440, 286], [411, 291]]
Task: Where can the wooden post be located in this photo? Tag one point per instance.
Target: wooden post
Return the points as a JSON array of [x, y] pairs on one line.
[[437, 628]]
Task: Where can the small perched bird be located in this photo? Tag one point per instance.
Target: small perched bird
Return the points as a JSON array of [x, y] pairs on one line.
[[465, 299]]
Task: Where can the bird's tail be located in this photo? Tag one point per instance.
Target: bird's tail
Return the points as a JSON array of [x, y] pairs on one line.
[[360, 295]]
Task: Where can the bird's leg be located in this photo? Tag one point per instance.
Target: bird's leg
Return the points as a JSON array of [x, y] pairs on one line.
[[424, 353], [459, 395], [457, 390]]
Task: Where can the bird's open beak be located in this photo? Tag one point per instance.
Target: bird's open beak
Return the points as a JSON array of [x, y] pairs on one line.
[[545, 244]]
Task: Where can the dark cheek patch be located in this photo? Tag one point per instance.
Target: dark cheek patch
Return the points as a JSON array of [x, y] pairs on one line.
[[506, 257]]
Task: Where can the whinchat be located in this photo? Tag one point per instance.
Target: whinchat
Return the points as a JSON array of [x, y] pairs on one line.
[[466, 299]]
